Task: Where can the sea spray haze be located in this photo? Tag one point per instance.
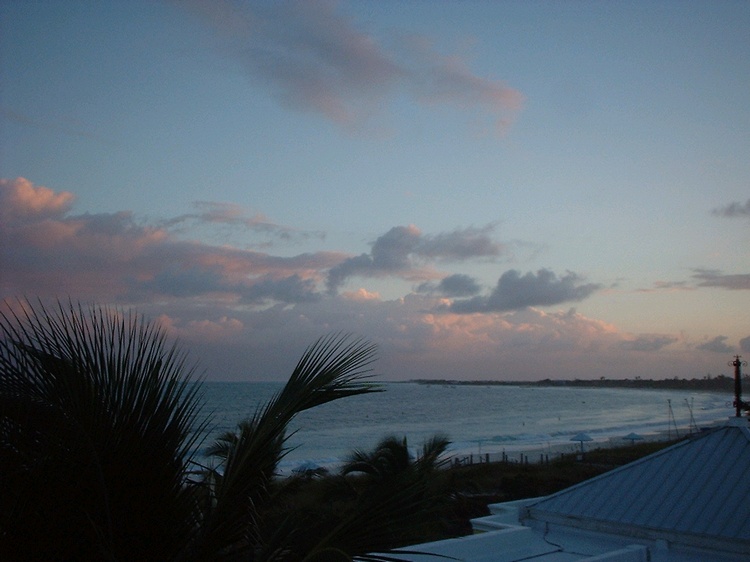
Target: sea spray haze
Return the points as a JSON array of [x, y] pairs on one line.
[[97, 423]]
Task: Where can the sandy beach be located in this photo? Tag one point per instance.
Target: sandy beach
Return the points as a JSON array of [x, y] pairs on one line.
[[530, 454]]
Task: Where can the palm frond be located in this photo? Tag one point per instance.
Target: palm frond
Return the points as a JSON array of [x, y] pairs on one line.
[[121, 426], [332, 368]]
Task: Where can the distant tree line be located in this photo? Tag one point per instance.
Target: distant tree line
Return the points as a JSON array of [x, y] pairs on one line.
[[719, 383]]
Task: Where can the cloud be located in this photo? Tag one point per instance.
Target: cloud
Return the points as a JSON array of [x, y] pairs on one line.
[[715, 278], [402, 249], [745, 344], [249, 314], [315, 58], [213, 214], [390, 254], [22, 200], [716, 345], [447, 79], [110, 257], [648, 342], [668, 286], [221, 329], [527, 344], [115, 258], [515, 291], [734, 210], [460, 245], [361, 295], [457, 285], [291, 289]]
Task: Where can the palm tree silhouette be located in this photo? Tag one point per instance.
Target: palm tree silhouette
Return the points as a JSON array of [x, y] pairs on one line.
[[99, 418]]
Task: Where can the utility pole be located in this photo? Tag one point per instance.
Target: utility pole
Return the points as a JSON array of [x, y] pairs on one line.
[[739, 405]]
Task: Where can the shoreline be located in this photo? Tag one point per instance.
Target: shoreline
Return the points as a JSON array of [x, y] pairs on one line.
[[526, 453], [534, 454], [719, 383]]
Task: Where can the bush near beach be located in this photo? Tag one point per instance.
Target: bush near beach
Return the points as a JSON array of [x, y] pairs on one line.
[[486, 483]]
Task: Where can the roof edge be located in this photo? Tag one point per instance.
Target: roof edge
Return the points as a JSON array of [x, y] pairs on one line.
[[711, 543]]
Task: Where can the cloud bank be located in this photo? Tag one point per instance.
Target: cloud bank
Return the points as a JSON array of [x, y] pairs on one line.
[[515, 291], [248, 314], [403, 249]]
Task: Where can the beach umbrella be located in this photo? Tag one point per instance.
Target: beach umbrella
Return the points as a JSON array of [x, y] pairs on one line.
[[633, 438], [309, 469], [581, 437]]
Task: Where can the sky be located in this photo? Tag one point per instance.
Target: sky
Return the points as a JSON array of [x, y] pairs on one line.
[[484, 190]]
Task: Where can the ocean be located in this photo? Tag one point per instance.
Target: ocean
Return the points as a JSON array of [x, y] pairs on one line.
[[483, 422]]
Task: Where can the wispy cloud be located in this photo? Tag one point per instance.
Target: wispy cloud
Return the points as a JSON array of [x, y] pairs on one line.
[[215, 213], [648, 342], [438, 79], [314, 57], [668, 286], [734, 210], [515, 291], [715, 278]]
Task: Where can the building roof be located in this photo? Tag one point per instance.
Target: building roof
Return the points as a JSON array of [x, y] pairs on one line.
[[695, 493], [687, 503]]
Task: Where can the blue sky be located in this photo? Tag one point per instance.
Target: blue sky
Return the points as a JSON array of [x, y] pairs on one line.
[[510, 190]]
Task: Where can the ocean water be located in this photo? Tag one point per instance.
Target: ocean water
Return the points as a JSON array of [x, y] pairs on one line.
[[479, 420]]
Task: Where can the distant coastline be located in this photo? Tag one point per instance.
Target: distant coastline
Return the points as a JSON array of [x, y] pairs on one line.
[[719, 383]]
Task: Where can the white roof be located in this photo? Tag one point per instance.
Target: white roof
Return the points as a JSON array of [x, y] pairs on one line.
[[695, 493], [687, 503]]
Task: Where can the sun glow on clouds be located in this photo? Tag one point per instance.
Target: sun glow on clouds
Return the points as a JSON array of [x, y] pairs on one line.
[[234, 306], [361, 294], [21, 199], [275, 121]]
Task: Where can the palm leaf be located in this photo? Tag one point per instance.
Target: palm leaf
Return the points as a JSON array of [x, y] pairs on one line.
[[119, 428], [332, 368]]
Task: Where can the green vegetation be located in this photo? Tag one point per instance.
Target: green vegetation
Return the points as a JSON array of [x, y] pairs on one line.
[[481, 484]]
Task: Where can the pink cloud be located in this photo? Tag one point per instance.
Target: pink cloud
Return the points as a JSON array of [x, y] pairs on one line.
[[110, 257], [235, 308], [20, 199], [414, 343], [361, 295]]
